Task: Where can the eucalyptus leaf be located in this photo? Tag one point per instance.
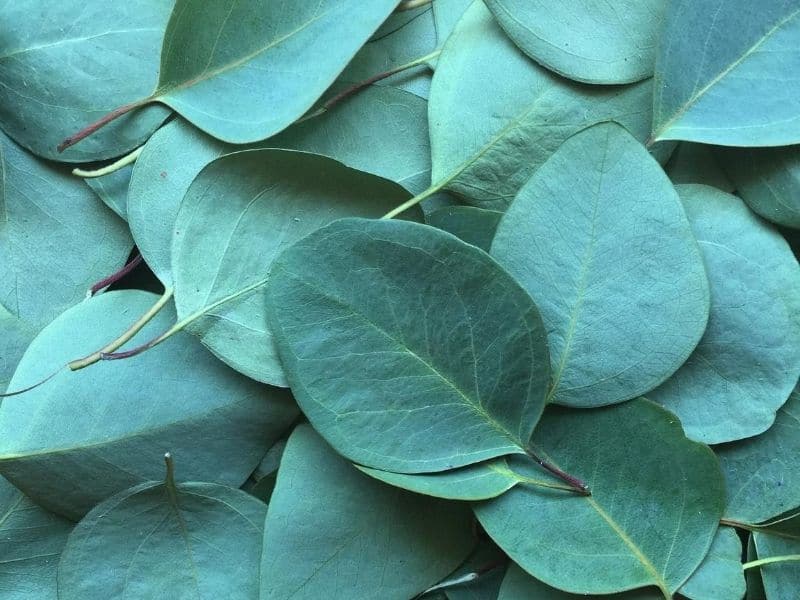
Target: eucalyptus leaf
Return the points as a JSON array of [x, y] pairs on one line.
[[755, 586], [15, 335], [720, 575], [446, 14], [56, 238], [223, 248], [489, 563], [475, 226], [761, 485], [768, 179], [518, 585], [112, 189], [159, 540], [698, 163], [65, 64], [781, 579], [748, 360], [728, 72], [31, 540], [409, 350], [491, 128], [88, 434], [244, 70], [620, 282], [333, 532], [589, 41], [631, 456], [262, 481]]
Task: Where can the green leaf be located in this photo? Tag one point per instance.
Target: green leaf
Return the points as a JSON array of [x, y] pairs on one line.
[[159, 540], [56, 238], [728, 72], [381, 131], [475, 226], [761, 485], [633, 457], [262, 481], [409, 350], [755, 586], [720, 575], [88, 434], [768, 179], [620, 282], [492, 126], [489, 563], [781, 579], [32, 540], [446, 14], [68, 63], [15, 335], [221, 249], [697, 163], [332, 531], [593, 42], [244, 70], [112, 189], [748, 360]]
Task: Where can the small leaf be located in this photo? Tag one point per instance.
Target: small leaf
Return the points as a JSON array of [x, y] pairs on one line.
[[193, 540], [88, 434], [697, 163], [593, 42], [728, 72], [720, 575], [620, 282], [331, 528], [748, 360], [475, 226], [409, 350], [112, 189], [632, 455], [781, 579]]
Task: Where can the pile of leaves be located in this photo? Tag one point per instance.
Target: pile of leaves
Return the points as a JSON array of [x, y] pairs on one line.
[[489, 299]]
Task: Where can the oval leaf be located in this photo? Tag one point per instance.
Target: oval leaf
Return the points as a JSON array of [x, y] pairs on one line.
[[371, 539], [409, 350], [728, 72], [620, 282], [88, 434], [748, 360], [633, 455], [593, 42]]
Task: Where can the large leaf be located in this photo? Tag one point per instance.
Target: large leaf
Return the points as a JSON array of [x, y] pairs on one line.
[[381, 131], [761, 485], [632, 456], [620, 282], [728, 72], [492, 127], [408, 349], [65, 64], [748, 361], [243, 70], [333, 532], [240, 212], [768, 179], [31, 540], [56, 237], [161, 540], [594, 42], [88, 434]]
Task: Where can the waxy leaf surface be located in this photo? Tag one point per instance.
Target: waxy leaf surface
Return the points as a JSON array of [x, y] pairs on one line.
[[720, 575], [15, 335], [601, 242], [475, 226], [112, 189], [331, 531], [408, 349]]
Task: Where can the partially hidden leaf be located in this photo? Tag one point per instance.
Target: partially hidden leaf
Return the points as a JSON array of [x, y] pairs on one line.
[[244, 70], [85, 435], [31, 540], [332, 530], [491, 128], [748, 360], [768, 179], [261, 482], [720, 575], [593, 42], [158, 540], [698, 163], [760, 486], [631, 455], [56, 237], [15, 335], [781, 579], [620, 282], [66, 64], [409, 350], [475, 226], [518, 585], [240, 212], [728, 72], [488, 563], [112, 189]]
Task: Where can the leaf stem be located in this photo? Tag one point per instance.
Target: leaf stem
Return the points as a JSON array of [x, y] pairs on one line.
[[115, 277], [115, 166], [575, 483], [32, 387], [412, 202], [769, 560], [169, 478], [126, 336], [90, 129], [411, 4]]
